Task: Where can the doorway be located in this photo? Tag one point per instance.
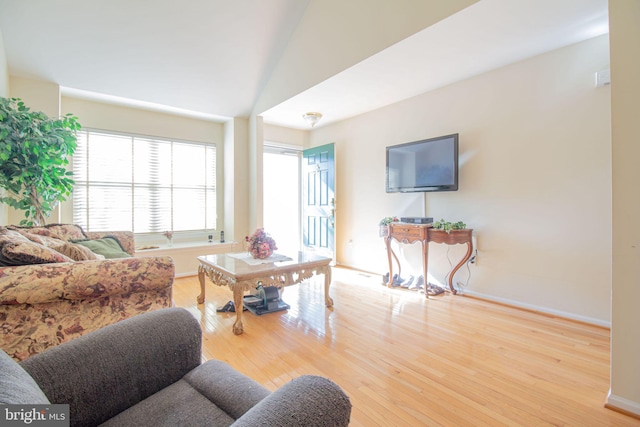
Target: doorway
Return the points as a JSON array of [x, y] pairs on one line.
[[319, 200], [281, 196]]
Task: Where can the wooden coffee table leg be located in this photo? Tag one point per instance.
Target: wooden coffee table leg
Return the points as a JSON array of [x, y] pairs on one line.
[[327, 282], [201, 279], [238, 301]]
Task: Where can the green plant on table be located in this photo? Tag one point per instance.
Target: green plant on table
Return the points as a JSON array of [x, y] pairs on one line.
[[34, 154], [388, 220], [448, 226]]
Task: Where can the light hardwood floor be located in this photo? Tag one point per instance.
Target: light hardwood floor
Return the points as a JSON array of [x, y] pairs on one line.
[[407, 361]]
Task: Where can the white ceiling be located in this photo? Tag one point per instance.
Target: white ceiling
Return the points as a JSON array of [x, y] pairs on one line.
[[211, 58]]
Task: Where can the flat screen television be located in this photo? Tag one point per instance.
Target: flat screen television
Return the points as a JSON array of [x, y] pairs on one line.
[[425, 165]]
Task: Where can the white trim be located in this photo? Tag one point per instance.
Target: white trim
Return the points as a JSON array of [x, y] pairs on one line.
[[186, 274], [182, 247], [541, 309], [618, 402], [278, 147], [180, 238], [142, 105]]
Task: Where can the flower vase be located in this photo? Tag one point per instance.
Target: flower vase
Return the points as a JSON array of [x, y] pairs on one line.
[[259, 254], [169, 241], [266, 255], [260, 245]]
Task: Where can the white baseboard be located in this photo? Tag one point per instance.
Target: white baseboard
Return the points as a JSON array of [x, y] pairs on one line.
[[546, 310], [616, 402], [531, 307], [186, 274]]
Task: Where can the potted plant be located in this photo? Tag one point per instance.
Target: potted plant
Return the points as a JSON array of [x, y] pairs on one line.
[[384, 225], [450, 232], [447, 227], [34, 153]]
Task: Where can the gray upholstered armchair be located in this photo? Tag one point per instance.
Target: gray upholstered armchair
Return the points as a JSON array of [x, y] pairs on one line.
[[147, 370]]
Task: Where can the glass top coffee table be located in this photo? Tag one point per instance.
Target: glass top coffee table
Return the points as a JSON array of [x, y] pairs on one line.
[[239, 272]]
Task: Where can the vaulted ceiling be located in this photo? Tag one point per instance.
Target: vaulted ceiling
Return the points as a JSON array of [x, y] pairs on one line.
[[214, 58]]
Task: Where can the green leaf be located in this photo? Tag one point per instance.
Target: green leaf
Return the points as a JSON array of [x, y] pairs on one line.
[[34, 153]]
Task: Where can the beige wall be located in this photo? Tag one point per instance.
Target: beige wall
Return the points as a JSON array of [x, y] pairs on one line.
[[39, 96], [4, 70], [256, 148], [120, 118], [236, 179], [185, 257], [535, 181], [285, 136], [624, 16]]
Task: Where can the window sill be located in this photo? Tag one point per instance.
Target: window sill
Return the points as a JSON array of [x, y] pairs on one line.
[[187, 246]]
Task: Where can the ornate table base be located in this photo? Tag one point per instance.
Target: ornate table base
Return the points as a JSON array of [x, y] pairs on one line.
[[239, 276], [424, 233]]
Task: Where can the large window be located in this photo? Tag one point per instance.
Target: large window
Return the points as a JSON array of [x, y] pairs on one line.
[[146, 185]]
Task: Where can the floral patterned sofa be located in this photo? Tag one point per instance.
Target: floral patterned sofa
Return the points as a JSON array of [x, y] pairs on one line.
[[53, 288]]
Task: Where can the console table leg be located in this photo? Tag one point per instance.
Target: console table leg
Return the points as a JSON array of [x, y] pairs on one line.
[[238, 301], [425, 266], [460, 264], [391, 253], [200, 298]]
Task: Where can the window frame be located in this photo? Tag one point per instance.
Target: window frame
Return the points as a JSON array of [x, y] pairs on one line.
[[155, 237]]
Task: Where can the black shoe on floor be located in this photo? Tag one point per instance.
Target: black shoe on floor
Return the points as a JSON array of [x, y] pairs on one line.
[[433, 290], [385, 278], [397, 280], [225, 308], [407, 282]]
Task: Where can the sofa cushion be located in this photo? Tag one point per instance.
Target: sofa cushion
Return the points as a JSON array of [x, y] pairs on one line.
[[77, 252], [108, 246], [176, 405], [16, 249], [16, 385], [66, 232], [72, 250], [232, 391]]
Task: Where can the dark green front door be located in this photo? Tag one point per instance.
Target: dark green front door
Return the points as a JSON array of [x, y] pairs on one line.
[[318, 200]]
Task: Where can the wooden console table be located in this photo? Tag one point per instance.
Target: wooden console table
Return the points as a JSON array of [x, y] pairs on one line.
[[424, 233]]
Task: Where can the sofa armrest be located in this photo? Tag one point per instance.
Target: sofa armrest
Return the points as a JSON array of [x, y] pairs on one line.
[[46, 304], [109, 370], [306, 401], [126, 238], [82, 280]]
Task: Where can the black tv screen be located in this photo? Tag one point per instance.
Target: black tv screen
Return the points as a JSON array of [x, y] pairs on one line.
[[425, 165]]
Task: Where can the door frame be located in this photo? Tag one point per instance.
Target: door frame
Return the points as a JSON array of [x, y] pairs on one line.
[[330, 209]]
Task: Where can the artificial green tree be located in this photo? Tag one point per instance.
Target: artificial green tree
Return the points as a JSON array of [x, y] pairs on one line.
[[34, 154]]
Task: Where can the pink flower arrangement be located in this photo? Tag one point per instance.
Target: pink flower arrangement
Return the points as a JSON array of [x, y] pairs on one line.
[[260, 245]]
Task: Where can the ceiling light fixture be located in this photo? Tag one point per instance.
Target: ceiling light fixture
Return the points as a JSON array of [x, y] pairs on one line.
[[312, 118]]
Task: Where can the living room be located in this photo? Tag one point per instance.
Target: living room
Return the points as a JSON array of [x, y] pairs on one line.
[[543, 178]]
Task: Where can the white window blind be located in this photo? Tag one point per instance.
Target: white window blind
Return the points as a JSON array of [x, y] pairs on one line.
[[146, 185]]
